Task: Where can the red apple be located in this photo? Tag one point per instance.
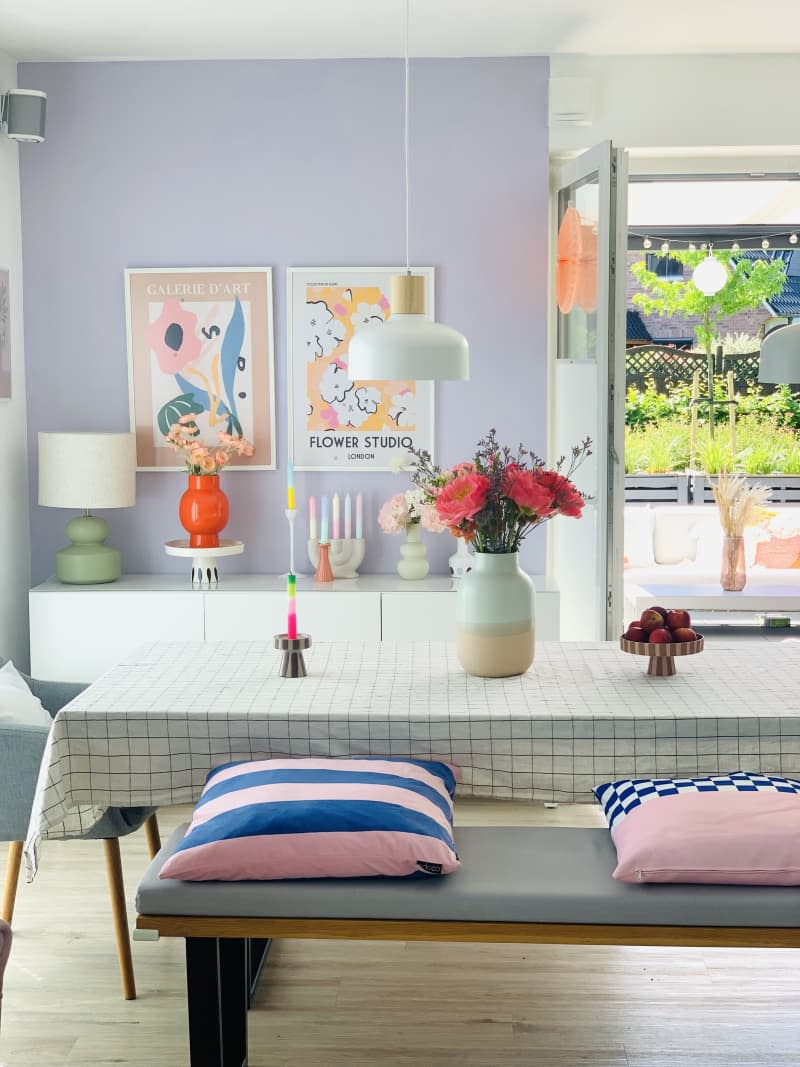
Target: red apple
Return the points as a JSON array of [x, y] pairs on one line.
[[678, 619], [635, 633], [651, 620], [661, 611], [684, 633], [660, 636]]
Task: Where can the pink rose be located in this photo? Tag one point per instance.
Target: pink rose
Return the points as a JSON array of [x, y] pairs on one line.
[[566, 498], [462, 498]]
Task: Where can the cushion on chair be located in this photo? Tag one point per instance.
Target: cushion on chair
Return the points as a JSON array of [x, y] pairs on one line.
[[18, 705], [734, 829], [320, 818]]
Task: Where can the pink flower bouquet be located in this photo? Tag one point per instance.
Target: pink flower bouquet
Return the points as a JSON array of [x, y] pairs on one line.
[[407, 509], [200, 458], [495, 500]]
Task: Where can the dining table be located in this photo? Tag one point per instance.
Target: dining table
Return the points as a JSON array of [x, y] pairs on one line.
[[149, 730]]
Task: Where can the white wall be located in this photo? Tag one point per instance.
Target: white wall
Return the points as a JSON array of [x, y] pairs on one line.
[[15, 565], [693, 102]]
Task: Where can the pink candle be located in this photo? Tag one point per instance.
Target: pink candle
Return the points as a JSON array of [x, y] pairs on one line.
[[359, 516], [336, 516], [348, 517], [312, 518], [291, 622]]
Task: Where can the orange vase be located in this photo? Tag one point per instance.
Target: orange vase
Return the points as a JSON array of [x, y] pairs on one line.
[[204, 511]]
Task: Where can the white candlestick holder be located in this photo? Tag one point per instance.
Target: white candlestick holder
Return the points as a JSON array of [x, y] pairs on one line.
[[346, 555]]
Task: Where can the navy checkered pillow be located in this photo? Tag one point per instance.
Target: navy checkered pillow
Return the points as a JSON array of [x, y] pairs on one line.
[[620, 798]]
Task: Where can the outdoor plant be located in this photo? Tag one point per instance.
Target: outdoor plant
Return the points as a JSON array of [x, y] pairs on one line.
[[498, 497], [183, 438]]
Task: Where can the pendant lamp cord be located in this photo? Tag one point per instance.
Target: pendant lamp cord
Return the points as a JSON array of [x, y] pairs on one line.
[[405, 128]]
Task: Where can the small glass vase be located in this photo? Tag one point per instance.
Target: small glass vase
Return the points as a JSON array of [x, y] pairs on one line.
[[412, 564], [733, 576]]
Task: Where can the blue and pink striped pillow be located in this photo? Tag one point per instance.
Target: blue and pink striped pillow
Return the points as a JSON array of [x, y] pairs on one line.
[[320, 818]]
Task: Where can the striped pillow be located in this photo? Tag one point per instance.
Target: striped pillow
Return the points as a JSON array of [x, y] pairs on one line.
[[320, 818]]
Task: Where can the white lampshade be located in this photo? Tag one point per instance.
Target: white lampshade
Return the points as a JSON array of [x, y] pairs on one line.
[[710, 276], [780, 355], [408, 345], [87, 470]]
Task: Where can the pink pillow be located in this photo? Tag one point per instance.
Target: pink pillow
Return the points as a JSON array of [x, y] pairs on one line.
[[320, 818], [727, 829]]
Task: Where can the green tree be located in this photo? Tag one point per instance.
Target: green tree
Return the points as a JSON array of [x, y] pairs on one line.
[[750, 282]]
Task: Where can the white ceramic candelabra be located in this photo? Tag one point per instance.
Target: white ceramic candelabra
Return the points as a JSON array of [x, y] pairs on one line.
[[346, 555]]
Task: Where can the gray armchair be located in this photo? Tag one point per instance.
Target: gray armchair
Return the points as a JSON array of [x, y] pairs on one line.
[[21, 750]]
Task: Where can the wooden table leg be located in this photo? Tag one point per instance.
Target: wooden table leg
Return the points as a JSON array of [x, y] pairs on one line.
[[120, 914], [13, 864], [151, 832]]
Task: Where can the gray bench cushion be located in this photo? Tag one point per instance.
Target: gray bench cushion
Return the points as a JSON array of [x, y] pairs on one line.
[[508, 874]]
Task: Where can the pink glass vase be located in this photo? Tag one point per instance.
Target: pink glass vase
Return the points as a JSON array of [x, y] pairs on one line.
[[733, 575]]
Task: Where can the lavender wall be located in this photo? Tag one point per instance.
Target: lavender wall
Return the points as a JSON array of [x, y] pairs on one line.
[[282, 163]]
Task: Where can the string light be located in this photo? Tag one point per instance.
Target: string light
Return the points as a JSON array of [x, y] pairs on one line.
[[647, 243], [692, 246], [792, 238], [765, 244], [735, 246], [780, 239], [665, 247]]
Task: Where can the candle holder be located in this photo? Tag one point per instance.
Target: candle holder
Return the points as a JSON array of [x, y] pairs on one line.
[[323, 572], [292, 663], [345, 556]]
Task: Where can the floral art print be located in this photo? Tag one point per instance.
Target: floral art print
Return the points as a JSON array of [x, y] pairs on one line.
[[200, 345], [338, 423]]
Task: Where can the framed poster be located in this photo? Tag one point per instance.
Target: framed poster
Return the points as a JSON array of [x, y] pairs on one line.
[[5, 336], [336, 423], [200, 342]]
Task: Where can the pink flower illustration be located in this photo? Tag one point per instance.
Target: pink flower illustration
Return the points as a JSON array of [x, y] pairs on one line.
[[173, 337], [329, 415]]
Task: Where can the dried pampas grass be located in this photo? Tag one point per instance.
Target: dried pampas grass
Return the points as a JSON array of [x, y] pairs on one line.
[[739, 504]]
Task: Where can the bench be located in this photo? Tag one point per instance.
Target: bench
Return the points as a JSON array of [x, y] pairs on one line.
[[532, 885]]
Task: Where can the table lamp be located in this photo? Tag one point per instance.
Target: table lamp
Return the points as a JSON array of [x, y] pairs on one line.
[[87, 470]]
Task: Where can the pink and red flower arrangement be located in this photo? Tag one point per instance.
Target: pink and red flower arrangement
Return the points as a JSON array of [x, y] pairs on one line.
[[183, 437], [499, 497]]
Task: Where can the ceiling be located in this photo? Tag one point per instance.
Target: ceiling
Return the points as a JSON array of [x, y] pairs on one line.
[[309, 29]]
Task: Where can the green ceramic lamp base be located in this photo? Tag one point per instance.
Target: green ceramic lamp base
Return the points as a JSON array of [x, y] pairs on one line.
[[87, 561]]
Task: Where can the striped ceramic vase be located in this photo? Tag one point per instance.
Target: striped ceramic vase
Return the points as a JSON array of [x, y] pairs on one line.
[[495, 617]]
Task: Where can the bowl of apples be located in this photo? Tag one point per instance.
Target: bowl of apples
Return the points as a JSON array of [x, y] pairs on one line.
[[662, 634]]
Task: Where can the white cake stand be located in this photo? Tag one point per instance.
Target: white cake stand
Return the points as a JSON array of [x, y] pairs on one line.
[[204, 560]]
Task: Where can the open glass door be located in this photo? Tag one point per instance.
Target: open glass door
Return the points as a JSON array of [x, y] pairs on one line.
[[587, 384]]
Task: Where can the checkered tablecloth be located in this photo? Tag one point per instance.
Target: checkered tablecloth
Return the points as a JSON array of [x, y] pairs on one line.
[[149, 730]]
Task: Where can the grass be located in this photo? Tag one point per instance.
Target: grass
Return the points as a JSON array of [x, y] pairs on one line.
[[763, 446]]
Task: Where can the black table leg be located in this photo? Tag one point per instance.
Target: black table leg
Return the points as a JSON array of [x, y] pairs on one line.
[[217, 988], [257, 952]]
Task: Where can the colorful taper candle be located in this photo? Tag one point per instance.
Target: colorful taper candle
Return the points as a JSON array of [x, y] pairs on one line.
[[359, 516], [290, 500], [291, 624], [348, 517], [336, 516], [323, 526], [312, 518]]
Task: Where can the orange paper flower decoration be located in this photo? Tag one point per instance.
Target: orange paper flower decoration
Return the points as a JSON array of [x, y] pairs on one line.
[[568, 256]]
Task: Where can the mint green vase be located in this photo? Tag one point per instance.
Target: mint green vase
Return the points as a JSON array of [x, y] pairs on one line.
[[495, 617]]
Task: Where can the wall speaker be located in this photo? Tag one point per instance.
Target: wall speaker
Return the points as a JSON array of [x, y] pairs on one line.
[[23, 111]]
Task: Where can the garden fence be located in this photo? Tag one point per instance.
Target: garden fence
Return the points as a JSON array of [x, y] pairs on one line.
[[669, 367]]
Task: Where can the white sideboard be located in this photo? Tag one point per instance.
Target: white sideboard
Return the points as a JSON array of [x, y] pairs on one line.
[[79, 631]]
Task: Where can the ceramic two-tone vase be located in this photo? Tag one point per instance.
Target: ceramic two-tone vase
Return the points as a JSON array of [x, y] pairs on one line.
[[495, 617]]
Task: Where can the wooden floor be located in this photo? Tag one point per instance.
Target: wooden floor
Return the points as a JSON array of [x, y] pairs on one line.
[[336, 1004]]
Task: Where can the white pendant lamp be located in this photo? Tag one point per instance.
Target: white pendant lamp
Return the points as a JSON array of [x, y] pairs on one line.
[[779, 361], [408, 344], [710, 276]]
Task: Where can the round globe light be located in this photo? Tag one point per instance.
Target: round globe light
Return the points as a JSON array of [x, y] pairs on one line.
[[710, 276]]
